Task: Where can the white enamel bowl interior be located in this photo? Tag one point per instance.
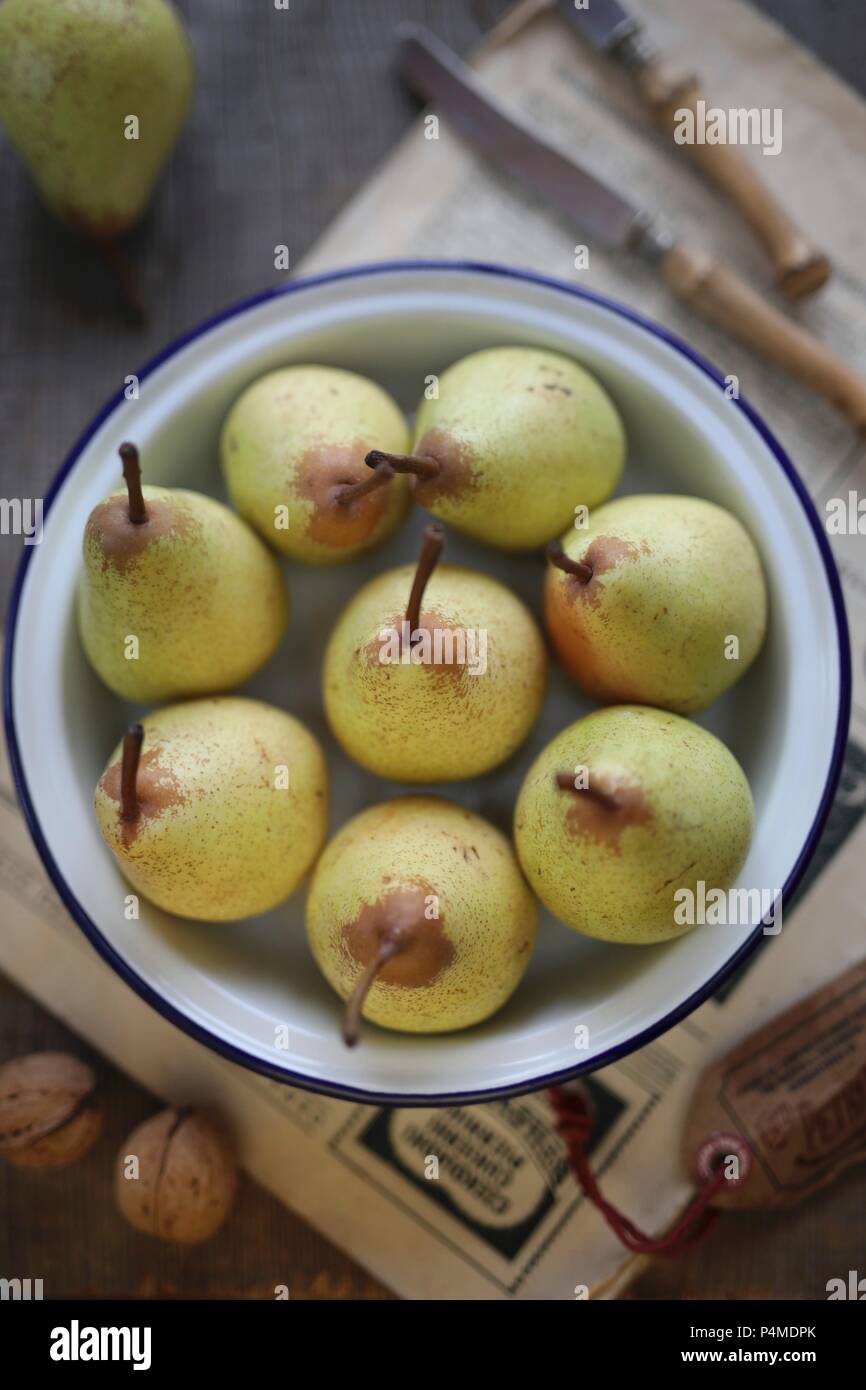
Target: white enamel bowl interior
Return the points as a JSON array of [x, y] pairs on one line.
[[236, 985]]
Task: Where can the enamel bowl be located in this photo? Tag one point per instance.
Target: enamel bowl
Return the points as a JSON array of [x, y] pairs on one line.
[[236, 987]]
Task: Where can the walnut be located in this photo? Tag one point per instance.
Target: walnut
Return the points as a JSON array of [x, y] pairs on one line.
[[48, 1113], [186, 1177]]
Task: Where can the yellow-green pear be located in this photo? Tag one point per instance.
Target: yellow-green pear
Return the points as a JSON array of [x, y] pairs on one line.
[[433, 674], [93, 94], [516, 440], [178, 596], [293, 448], [419, 916], [658, 601], [623, 815], [215, 809]]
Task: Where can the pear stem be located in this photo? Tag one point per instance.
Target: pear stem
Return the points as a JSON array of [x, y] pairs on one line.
[[115, 258], [382, 474], [419, 464], [565, 781], [431, 549], [388, 947], [557, 556], [132, 741], [132, 478]]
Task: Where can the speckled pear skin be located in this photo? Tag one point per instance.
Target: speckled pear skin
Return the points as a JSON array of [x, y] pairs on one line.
[[218, 837], [196, 586], [71, 72], [292, 439], [686, 814], [429, 723], [674, 578], [453, 860], [523, 437]]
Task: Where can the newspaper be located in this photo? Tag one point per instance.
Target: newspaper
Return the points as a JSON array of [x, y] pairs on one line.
[[504, 1218]]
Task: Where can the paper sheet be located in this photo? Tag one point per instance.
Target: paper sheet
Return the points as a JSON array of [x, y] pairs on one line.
[[504, 1218]]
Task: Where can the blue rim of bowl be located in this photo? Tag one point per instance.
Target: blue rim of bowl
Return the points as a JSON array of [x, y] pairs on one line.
[[283, 1074]]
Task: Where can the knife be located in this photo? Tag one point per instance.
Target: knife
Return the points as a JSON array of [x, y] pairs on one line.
[[708, 286], [800, 267]]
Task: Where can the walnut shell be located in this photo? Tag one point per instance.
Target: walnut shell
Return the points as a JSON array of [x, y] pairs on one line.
[[48, 1113], [187, 1177]]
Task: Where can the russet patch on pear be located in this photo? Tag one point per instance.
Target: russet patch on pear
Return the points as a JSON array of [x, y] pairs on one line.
[[158, 791], [455, 477], [120, 542], [325, 472], [604, 818], [401, 913]]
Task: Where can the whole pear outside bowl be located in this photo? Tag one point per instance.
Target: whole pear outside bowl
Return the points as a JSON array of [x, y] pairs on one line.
[[251, 991]]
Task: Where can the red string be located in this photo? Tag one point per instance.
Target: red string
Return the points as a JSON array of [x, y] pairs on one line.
[[574, 1125]]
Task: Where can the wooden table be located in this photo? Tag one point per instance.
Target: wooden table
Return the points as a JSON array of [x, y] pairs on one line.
[[293, 110]]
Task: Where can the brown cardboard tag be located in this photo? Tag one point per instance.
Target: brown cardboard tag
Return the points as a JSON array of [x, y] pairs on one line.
[[796, 1092]]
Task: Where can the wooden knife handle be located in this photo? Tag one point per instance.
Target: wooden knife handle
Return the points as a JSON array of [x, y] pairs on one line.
[[800, 267], [717, 294]]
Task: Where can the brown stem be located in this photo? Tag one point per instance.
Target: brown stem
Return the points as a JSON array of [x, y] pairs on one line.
[[132, 741], [565, 780], [117, 261], [419, 464], [557, 556], [431, 549], [132, 478], [388, 947], [348, 492]]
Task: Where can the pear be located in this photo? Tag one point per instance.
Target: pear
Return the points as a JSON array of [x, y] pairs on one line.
[[93, 94], [418, 915], [215, 809], [433, 676], [178, 596], [621, 811], [516, 440], [659, 601], [293, 449]]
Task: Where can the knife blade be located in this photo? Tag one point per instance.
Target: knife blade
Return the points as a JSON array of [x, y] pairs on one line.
[[436, 73], [611, 30], [710, 288]]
